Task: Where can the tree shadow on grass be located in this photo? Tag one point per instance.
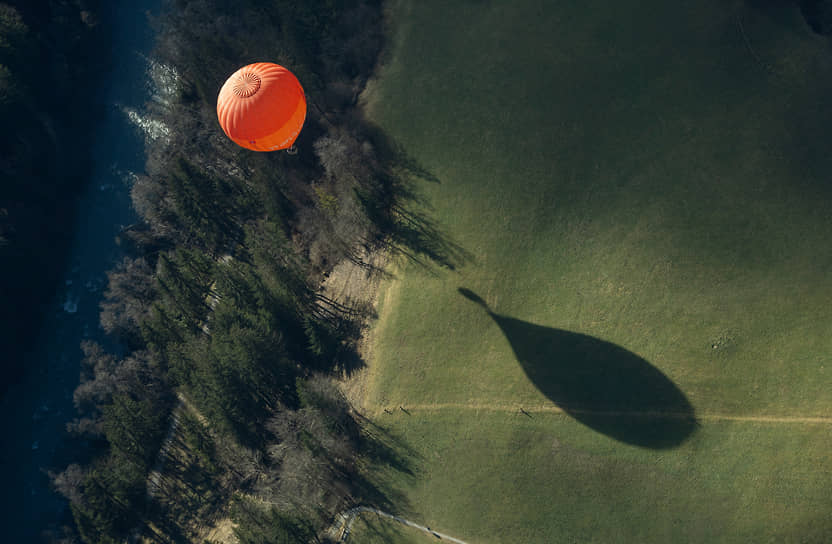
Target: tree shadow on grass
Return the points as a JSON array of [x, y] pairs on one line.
[[600, 384], [398, 211], [382, 452]]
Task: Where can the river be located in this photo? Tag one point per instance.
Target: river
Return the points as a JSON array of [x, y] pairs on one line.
[[36, 409]]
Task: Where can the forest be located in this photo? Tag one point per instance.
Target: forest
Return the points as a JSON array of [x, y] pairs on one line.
[[218, 304]]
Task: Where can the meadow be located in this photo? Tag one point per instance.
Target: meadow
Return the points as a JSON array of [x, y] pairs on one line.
[[633, 343]]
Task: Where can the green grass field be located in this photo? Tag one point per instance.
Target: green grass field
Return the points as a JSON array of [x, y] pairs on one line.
[[644, 190]]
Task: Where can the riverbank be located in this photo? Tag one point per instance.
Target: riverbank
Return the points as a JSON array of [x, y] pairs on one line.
[[229, 313], [39, 405]]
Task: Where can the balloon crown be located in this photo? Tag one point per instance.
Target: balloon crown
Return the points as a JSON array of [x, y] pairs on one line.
[[247, 84]]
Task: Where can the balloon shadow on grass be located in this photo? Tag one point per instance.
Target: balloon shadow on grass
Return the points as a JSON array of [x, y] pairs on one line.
[[600, 384]]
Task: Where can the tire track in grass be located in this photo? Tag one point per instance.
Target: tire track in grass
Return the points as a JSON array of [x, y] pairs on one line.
[[552, 409]]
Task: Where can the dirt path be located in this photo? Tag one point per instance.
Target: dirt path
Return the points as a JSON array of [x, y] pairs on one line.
[[552, 409], [343, 525]]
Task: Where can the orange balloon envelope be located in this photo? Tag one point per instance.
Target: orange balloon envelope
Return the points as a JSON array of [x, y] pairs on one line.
[[262, 107]]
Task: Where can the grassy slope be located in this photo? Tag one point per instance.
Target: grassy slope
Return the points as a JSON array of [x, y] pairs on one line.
[[633, 172]]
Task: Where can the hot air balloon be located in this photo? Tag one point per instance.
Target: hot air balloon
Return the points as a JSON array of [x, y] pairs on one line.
[[262, 107]]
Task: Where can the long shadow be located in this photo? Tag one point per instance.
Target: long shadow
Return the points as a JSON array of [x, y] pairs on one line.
[[600, 384]]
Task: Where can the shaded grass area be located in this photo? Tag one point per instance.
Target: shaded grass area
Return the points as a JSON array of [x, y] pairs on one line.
[[510, 478], [644, 177]]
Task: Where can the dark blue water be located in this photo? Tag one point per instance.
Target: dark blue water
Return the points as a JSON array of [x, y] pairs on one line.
[[36, 409]]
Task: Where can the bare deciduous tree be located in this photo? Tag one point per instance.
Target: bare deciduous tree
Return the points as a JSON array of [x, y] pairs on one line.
[[68, 483], [127, 298]]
